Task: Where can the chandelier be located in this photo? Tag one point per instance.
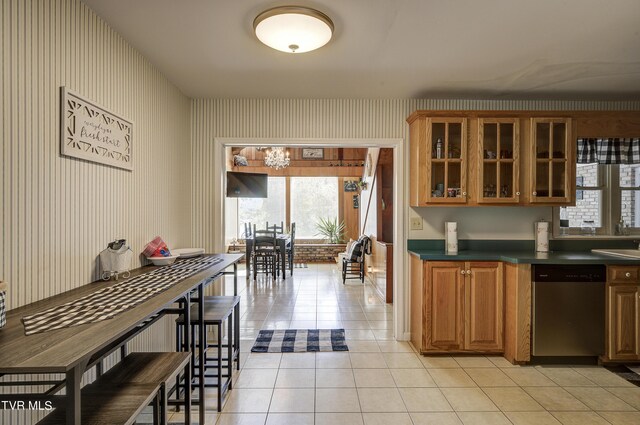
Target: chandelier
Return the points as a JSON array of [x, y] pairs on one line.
[[276, 158]]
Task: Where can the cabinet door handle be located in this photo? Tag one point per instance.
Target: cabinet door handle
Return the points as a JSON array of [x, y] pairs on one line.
[[468, 271], [517, 193], [535, 193], [627, 274], [464, 193], [462, 272]]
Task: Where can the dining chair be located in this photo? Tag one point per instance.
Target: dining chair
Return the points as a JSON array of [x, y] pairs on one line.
[[353, 262], [275, 227], [291, 247], [247, 230], [265, 252], [248, 235]]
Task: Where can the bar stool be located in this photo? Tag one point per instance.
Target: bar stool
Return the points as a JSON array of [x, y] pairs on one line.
[[217, 310]]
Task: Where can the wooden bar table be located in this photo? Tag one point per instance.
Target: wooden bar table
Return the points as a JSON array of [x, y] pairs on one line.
[[71, 351]]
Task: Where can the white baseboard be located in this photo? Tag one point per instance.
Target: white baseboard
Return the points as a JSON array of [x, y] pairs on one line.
[[405, 337]]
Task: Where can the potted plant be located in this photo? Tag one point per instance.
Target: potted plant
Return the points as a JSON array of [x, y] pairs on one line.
[[362, 185], [331, 230]]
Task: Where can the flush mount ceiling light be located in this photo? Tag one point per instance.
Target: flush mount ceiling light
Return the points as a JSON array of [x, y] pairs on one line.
[[293, 29]]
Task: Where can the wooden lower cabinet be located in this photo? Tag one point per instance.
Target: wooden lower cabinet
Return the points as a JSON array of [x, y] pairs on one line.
[[484, 307], [517, 312], [623, 308], [444, 302], [463, 306]]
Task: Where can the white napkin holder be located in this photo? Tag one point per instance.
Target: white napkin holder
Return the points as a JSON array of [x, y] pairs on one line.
[[541, 230], [451, 237], [116, 262]]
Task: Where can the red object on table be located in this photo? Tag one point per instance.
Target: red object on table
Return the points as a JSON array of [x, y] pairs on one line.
[[156, 248]]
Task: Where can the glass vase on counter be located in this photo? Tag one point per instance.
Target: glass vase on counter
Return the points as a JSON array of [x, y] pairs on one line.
[[588, 228]]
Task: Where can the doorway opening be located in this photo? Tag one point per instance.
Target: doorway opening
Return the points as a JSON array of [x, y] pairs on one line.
[[355, 184]]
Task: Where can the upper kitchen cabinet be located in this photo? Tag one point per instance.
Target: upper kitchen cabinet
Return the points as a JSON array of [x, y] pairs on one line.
[[498, 164], [471, 158], [552, 162], [439, 161]]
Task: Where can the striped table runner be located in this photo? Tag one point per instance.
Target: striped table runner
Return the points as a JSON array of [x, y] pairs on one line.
[[112, 300]]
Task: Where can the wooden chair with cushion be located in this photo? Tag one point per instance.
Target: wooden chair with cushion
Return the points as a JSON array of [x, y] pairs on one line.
[[353, 262]]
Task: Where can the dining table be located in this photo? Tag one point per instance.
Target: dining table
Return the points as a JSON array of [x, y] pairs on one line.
[[282, 241], [73, 350]]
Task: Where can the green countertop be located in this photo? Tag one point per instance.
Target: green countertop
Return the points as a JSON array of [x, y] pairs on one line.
[[522, 251], [525, 257]]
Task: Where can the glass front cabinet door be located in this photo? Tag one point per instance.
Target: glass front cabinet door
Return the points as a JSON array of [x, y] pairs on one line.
[[552, 161], [446, 161], [498, 161]]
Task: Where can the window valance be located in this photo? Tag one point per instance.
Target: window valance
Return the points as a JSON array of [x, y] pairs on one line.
[[609, 151]]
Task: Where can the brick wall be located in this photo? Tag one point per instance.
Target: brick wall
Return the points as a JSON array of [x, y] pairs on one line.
[[587, 208], [318, 253], [313, 253], [628, 178]]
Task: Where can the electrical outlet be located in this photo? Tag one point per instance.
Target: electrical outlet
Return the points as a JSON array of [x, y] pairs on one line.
[[416, 223]]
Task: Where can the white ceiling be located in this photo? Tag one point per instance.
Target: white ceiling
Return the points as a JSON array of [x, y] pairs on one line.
[[543, 49]]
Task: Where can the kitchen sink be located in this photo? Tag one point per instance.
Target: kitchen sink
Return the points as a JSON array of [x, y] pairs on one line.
[[627, 253]]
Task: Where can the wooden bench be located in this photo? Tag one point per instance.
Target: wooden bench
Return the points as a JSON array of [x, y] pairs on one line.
[[120, 395]]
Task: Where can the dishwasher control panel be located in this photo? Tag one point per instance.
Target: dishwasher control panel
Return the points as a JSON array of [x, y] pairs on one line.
[[569, 273]]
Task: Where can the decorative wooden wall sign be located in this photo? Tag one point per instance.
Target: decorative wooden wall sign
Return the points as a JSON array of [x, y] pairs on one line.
[[90, 132]]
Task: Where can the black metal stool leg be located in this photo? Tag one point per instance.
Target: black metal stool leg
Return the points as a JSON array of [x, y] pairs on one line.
[[187, 370], [193, 350], [164, 396], [237, 335], [178, 337], [230, 351], [156, 409], [219, 366]]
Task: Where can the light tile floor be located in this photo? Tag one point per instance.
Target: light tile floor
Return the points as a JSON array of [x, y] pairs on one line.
[[381, 381]]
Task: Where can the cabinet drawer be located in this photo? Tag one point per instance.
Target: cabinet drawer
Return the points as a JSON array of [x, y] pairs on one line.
[[623, 274]]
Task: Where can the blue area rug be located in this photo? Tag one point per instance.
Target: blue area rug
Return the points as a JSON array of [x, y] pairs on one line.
[[299, 341]]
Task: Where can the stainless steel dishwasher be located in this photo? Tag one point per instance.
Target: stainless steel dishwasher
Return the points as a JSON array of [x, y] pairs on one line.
[[568, 317]]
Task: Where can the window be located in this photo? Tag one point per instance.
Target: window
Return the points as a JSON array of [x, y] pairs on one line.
[[579, 184], [259, 211], [604, 195], [629, 200], [308, 200], [587, 215], [312, 198]]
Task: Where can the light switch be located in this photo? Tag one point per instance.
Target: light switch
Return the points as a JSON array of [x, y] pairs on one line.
[[416, 223]]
